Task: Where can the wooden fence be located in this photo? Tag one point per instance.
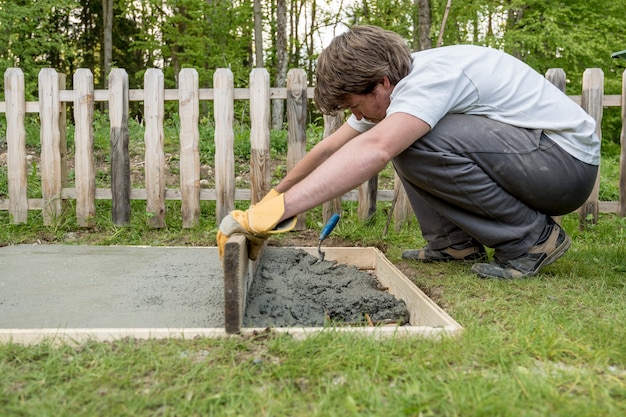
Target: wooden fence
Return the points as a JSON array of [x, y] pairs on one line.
[[54, 97]]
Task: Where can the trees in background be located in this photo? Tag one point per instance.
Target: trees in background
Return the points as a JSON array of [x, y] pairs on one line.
[[209, 34]]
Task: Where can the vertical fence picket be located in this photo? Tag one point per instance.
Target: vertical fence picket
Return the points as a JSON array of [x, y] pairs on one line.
[[557, 77], [83, 140], [63, 134], [189, 114], [367, 198], [622, 159], [16, 144], [154, 111], [331, 124], [296, 119], [50, 144], [401, 205], [224, 142], [54, 163], [260, 179], [119, 138], [592, 95]]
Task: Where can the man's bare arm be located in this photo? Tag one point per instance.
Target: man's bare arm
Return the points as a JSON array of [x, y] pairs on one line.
[[358, 160], [316, 156]]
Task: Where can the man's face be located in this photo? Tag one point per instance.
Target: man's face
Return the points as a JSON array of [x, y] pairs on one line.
[[371, 106]]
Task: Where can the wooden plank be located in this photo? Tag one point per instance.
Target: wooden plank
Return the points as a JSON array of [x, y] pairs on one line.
[[296, 120], [119, 138], [50, 144], [426, 318], [16, 145], [331, 124], [224, 143], [367, 198], [63, 132], [422, 310], [260, 175], [235, 266], [424, 313], [154, 109], [402, 210], [189, 113], [622, 159], [78, 336], [83, 140], [593, 91], [557, 77]]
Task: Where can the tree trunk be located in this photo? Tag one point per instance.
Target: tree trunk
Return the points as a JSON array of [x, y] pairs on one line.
[[423, 25], [278, 106], [107, 41], [443, 23], [258, 34]]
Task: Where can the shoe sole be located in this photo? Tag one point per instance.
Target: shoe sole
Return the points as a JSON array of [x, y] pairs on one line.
[[415, 256]]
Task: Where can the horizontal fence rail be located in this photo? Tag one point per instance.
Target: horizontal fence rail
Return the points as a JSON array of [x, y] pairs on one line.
[[52, 108]]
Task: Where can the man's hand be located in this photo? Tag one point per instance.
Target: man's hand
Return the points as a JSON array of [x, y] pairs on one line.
[[257, 224]]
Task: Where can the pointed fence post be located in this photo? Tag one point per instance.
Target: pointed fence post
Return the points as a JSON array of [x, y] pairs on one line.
[[296, 118], [557, 77], [63, 134], [189, 113], [622, 159], [331, 124], [591, 101], [14, 93], [50, 145], [154, 111], [260, 180], [223, 83], [120, 159], [83, 140], [401, 205]]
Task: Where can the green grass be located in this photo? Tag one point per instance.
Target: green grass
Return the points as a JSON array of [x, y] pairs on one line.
[[549, 345]]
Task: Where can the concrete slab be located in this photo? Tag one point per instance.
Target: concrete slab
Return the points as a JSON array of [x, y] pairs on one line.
[[77, 293], [60, 286]]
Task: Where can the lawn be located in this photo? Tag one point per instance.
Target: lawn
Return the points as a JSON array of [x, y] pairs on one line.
[[553, 344]]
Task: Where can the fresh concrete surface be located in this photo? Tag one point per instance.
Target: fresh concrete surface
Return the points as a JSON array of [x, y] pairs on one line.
[[64, 286]]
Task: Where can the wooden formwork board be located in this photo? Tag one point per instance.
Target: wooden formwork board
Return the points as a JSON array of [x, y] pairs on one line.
[[236, 282], [426, 318]]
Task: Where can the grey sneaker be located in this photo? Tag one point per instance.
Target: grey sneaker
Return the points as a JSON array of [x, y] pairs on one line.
[[469, 251], [552, 244]]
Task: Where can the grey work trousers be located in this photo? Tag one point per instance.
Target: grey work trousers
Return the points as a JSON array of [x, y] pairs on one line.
[[473, 177]]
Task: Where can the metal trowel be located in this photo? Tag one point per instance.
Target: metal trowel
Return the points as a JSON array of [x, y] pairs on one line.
[[328, 228]]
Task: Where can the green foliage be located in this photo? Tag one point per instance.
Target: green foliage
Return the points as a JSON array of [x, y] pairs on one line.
[[32, 36], [207, 35], [389, 14]]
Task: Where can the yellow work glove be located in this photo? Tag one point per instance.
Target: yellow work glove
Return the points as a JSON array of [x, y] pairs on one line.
[[257, 223]]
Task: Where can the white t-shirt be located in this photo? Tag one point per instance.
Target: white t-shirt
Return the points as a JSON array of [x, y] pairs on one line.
[[483, 81]]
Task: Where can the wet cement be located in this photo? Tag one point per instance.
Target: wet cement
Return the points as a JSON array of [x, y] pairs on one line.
[[65, 286], [291, 288]]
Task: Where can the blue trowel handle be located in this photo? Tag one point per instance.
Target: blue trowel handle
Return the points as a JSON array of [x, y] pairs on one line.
[[330, 225]]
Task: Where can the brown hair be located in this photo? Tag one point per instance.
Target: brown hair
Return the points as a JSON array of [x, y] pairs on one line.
[[355, 62]]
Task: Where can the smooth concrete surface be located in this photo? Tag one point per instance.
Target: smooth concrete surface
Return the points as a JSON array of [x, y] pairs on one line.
[[65, 286]]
